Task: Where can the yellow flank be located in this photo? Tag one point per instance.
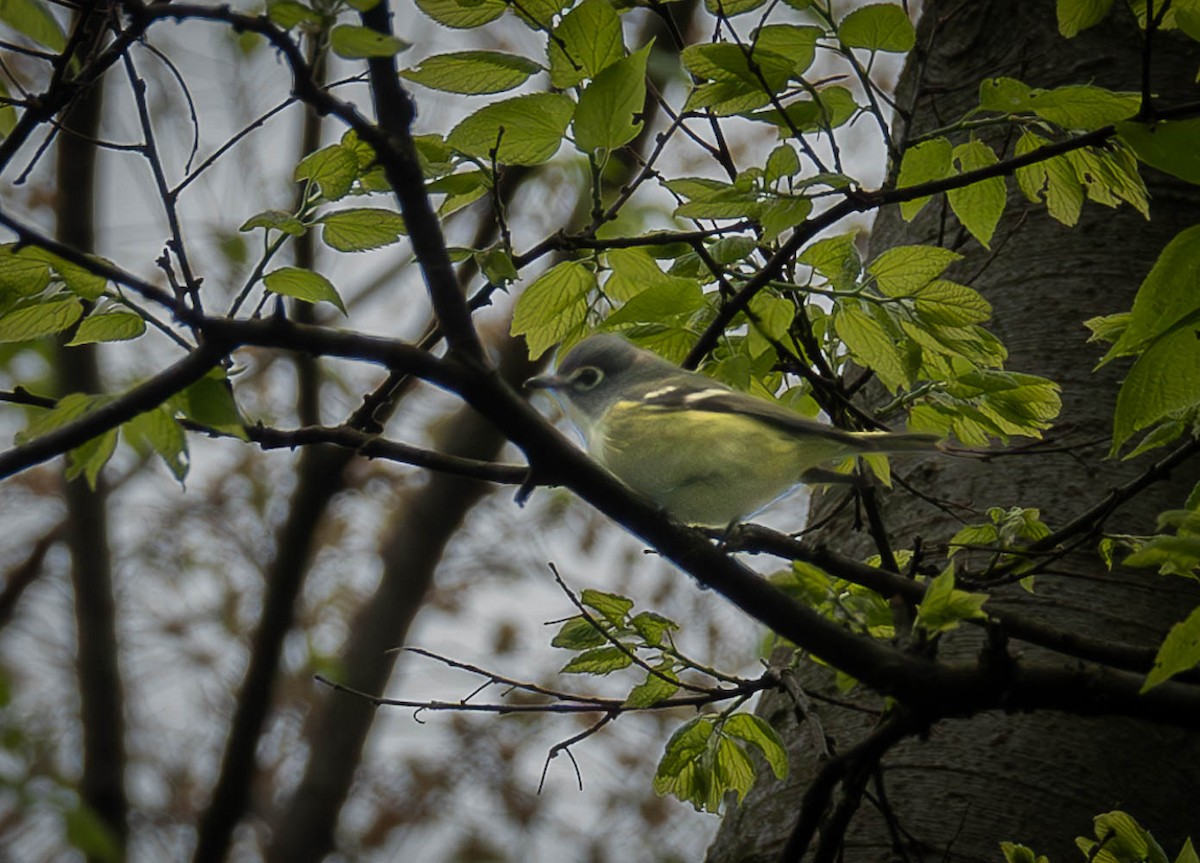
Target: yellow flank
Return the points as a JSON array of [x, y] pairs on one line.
[[727, 479]]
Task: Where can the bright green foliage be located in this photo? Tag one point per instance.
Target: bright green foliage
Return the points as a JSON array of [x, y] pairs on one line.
[[472, 72], [112, 326], [354, 42], [586, 42], [1073, 107], [333, 169], [1014, 853], [878, 27], [209, 402], [605, 115], [275, 220], [45, 318], [927, 161], [1166, 377], [980, 205], [463, 14], [1120, 839], [1005, 531], [945, 607], [524, 130], [289, 13], [707, 758], [159, 432], [554, 306], [303, 285], [360, 229], [1180, 650]]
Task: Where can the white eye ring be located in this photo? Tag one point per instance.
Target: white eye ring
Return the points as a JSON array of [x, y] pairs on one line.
[[586, 378]]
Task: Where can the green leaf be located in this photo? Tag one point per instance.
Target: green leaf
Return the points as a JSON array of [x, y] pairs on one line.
[[795, 42], [598, 661], [462, 14], [472, 72], [1052, 181], [903, 270], [333, 168], [1169, 295], [653, 628], [835, 258], [525, 130], [1169, 145], [609, 112], [289, 13], [586, 41], [1072, 107], [780, 214], [928, 161], [578, 633], [88, 459], [35, 20], [782, 163], [1187, 854], [158, 431], [20, 274], [43, 319], [730, 8], [109, 327], [554, 306], [832, 107], [354, 42], [88, 833], [681, 771], [69, 408], [1020, 854], [1173, 555], [952, 304], [613, 607], [303, 285], [878, 27], [980, 205], [671, 299], [209, 402], [78, 280], [1077, 15], [654, 688], [1122, 840], [275, 220], [870, 345], [359, 229], [945, 607], [758, 733]]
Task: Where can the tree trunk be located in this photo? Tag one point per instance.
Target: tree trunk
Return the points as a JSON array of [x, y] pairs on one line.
[[1040, 778]]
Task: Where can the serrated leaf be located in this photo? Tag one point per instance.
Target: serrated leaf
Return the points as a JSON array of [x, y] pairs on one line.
[[903, 270], [1173, 555], [42, 319], [78, 280], [1019, 854], [928, 161], [303, 285], [209, 402], [360, 229], [1052, 181], [290, 13], [945, 302], [578, 633], [69, 408], [275, 220], [35, 20], [22, 275], [609, 112], [525, 130], [758, 733], [832, 107], [945, 607], [1122, 840], [731, 8], [333, 168], [870, 345], [835, 258], [586, 41], [555, 305], [462, 14], [783, 162], [652, 627], [156, 430], [472, 72], [795, 42], [980, 205], [654, 688], [680, 771], [669, 300], [598, 661], [110, 327], [88, 459], [1169, 295], [878, 27], [354, 42], [1077, 15], [780, 214], [612, 607]]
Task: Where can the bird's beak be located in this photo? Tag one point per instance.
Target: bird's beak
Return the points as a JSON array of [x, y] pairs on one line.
[[545, 382]]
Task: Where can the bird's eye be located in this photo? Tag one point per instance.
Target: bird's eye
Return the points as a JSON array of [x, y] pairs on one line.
[[586, 378]]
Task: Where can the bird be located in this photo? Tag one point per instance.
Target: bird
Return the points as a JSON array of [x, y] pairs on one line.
[[708, 454]]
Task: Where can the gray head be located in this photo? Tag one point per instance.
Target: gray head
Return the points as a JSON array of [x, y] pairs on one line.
[[586, 375]]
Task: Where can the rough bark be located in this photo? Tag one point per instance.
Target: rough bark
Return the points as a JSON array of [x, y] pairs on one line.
[[1040, 778]]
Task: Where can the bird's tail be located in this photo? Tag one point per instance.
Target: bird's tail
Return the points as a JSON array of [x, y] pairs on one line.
[[886, 441]]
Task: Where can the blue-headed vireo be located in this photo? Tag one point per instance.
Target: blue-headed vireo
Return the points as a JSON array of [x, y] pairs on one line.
[[708, 454]]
